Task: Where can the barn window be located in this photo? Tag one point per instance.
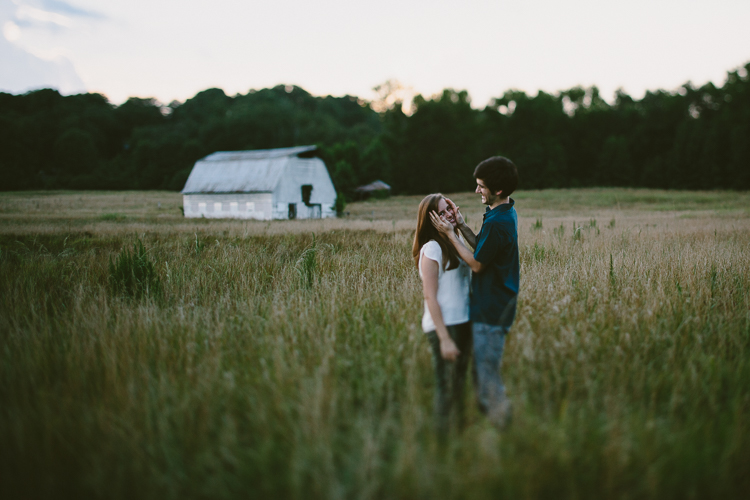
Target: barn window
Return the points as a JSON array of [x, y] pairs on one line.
[[306, 192], [250, 206], [202, 207], [217, 206], [233, 206]]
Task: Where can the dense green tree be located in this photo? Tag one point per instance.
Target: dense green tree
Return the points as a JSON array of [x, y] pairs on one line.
[[432, 145], [692, 138], [75, 152]]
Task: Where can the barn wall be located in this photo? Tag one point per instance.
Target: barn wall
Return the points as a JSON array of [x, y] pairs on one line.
[[299, 172], [229, 206]]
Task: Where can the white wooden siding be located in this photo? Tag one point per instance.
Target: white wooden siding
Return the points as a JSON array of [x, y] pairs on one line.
[[229, 206]]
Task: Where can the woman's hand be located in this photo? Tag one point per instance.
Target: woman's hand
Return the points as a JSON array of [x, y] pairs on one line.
[[456, 214], [441, 224], [448, 349]]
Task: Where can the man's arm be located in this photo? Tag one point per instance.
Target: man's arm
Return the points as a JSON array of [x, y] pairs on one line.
[[466, 255], [466, 231], [468, 234]]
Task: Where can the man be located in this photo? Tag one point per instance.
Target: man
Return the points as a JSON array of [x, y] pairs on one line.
[[494, 281]]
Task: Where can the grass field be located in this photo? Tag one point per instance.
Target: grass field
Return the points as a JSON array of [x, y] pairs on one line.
[[284, 359]]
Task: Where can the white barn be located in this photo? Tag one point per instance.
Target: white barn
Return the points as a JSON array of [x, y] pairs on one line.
[[287, 183]]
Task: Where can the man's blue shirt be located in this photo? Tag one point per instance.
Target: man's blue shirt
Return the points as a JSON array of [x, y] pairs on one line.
[[494, 290]]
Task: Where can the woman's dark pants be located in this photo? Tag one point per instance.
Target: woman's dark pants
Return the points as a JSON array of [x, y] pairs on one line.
[[450, 377]]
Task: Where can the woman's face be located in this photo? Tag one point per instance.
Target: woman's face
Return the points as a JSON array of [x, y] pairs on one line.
[[444, 211]]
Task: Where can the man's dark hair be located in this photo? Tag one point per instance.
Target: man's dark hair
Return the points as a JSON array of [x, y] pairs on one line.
[[498, 174]]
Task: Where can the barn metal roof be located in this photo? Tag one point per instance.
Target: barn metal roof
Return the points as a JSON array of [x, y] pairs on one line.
[[258, 154], [241, 171]]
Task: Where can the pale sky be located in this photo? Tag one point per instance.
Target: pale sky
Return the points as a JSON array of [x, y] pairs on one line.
[[172, 49]]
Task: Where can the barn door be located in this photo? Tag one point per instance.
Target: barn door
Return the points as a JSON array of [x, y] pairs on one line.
[[292, 211], [306, 193], [315, 211]]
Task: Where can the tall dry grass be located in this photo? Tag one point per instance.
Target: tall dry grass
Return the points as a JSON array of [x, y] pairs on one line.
[[290, 366]]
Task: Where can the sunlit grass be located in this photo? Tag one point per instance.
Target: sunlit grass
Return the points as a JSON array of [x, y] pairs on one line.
[[275, 364]]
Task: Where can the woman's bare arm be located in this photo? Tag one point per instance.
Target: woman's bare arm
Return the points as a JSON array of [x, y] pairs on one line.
[[430, 272]]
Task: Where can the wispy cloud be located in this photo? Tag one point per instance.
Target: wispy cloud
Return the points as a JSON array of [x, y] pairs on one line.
[[31, 72], [61, 7], [55, 12], [29, 13], [11, 31], [32, 43]]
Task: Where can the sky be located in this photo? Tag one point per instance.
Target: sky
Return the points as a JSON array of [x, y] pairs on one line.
[[172, 49]]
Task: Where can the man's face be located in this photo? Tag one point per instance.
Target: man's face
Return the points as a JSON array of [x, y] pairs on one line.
[[488, 197], [444, 211]]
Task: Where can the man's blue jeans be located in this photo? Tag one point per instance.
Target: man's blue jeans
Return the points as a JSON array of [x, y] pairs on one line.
[[489, 341]]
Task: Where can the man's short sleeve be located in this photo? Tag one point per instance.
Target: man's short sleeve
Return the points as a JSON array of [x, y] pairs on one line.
[[491, 240]]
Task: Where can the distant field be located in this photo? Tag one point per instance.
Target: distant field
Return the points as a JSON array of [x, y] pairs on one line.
[[117, 211], [284, 359]]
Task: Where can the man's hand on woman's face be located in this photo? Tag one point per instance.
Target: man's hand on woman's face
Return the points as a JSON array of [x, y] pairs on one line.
[[456, 213], [441, 224]]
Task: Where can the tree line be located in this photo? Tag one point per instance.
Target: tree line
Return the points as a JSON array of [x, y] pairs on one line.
[[689, 138]]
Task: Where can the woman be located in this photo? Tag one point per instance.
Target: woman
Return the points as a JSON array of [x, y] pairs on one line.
[[445, 282]]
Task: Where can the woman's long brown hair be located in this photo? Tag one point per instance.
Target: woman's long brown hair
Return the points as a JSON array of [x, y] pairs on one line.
[[426, 232]]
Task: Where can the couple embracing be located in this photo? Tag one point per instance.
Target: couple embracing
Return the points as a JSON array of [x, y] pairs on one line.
[[470, 296]]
